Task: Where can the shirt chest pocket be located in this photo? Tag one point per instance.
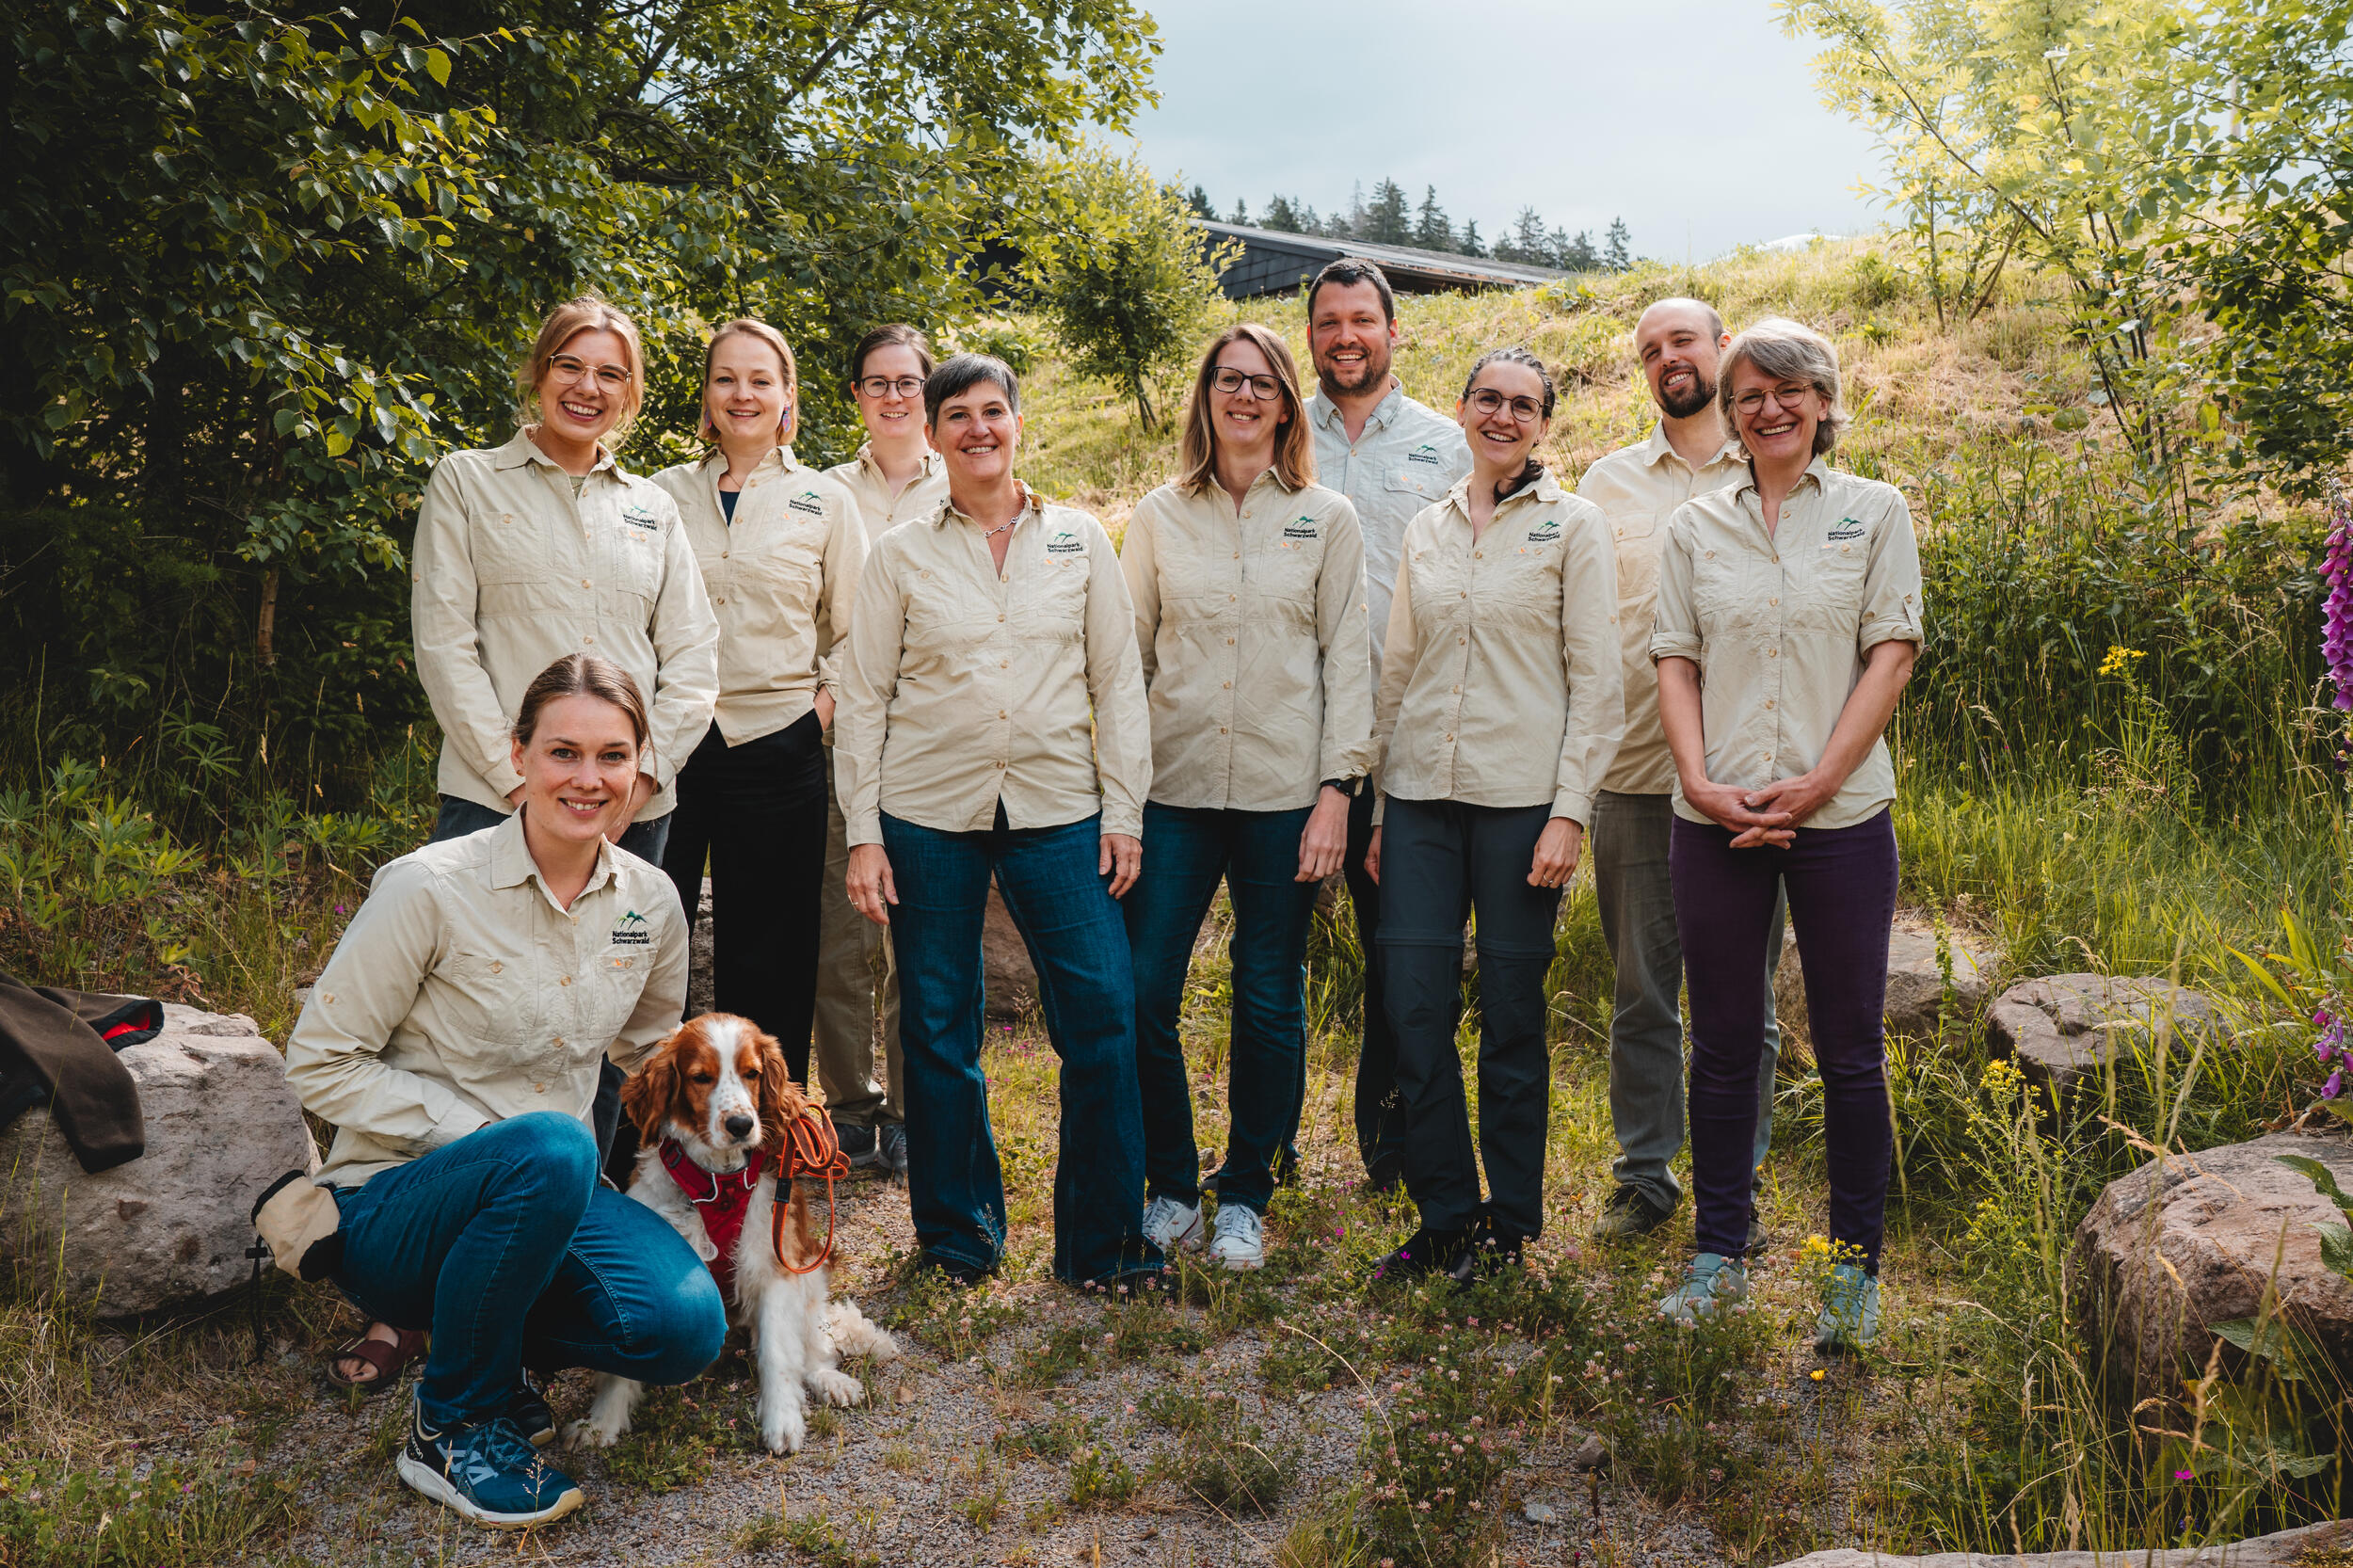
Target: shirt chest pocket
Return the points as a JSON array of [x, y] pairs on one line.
[[629, 559], [489, 996], [782, 573], [1527, 588], [1409, 490], [508, 548], [1723, 590], [1830, 599], [1051, 602], [1636, 535], [1286, 573], [944, 621], [613, 983], [1440, 587]]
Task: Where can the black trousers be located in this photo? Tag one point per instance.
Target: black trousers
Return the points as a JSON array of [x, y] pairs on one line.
[[758, 812], [1440, 861], [1380, 1116]]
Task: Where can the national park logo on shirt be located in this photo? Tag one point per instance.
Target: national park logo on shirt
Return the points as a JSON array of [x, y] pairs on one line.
[[1425, 453], [630, 931], [1303, 529], [1065, 543], [808, 503], [638, 517], [1848, 528], [1543, 533]]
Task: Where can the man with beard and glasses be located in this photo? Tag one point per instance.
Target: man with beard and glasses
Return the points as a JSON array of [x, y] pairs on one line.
[[1391, 456], [1689, 453]]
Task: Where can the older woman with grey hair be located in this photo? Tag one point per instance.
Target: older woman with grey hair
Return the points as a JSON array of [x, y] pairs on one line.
[[1797, 591]]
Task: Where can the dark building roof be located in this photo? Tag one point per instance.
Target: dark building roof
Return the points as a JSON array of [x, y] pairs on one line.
[[1275, 261]]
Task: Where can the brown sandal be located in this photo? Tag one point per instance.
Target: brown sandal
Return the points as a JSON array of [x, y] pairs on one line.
[[388, 1357]]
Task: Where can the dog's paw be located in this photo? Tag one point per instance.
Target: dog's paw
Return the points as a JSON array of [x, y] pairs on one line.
[[836, 1388], [784, 1431], [592, 1434]]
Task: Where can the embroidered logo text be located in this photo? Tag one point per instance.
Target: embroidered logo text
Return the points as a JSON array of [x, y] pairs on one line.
[[630, 931]]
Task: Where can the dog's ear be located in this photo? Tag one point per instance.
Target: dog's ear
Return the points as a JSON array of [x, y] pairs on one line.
[[780, 1099], [648, 1094]]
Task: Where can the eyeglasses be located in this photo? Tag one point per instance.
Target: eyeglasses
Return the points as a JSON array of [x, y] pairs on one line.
[[564, 367], [1788, 398], [1488, 401], [880, 386], [1225, 378]]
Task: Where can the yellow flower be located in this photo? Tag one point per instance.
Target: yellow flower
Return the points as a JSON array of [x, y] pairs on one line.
[[2119, 659], [2002, 1078], [1817, 1374]]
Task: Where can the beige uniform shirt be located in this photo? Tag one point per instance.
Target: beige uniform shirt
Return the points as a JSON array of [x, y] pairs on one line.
[[462, 994], [1638, 488], [876, 506], [513, 571], [964, 688], [1502, 684], [1778, 624], [1252, 631], [782, 577], [1406, 458]]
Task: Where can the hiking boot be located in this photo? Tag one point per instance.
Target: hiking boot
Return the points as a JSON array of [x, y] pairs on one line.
[[1430, 1252], [489, 1473], [529, 1411], [1629, 1213], [1169, 1224], [1849, 1323], [859, 1143], [1239, 1240], [1712, 1284], [891, 1140]]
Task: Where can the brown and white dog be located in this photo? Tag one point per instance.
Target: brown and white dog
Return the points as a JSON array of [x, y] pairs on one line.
[[713, 1107]]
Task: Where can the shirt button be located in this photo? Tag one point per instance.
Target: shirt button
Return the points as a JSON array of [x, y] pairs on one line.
[[575, 919], [1772, 653], [539, 1088], [1007, 663], [718, 601], [1000, 765], [1002, 714], [1220, 729], [1772, 601], [587, 639], [1769, 703], [722, 555], [565, 981], [1001, 614], [559, 1039], [1457, 690], [1229, 685], [1450, 737], [1237, 554], [1229, 642], [496, 966], [583, 582]]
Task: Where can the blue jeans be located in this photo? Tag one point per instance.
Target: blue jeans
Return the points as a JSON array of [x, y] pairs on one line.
[[1185, 853], [1063, 908], [504, 1246]]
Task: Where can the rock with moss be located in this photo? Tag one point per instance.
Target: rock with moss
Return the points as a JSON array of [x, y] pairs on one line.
[[170, 1229], [2064, 1029]]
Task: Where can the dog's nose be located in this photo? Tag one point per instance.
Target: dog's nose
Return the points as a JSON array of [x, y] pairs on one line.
[[738, 1125]]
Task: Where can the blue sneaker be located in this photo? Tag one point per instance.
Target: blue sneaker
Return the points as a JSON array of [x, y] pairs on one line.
[[529, 1411], [1849, 1323], [1712, 1284], [489, 1473]]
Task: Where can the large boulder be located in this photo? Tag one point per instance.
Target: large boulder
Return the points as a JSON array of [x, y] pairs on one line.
[[2286, 1549], [1916, 982], [170, 1229], [2193, 1239], [2063, 1030]]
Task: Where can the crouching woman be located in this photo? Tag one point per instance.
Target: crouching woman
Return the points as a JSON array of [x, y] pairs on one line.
[[455, 1041]]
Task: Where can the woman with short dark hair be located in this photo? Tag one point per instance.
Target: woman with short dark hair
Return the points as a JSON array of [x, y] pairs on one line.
[[994, 725], [453, 1042], [1797, 592], [1248, 579], [1502, 701]]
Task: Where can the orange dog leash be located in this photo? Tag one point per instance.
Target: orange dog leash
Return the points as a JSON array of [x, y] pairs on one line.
[[811, 1149]]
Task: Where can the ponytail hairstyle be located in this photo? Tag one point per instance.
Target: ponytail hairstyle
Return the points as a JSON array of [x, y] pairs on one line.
[[1517, 354], [581, 675], [745, 327]]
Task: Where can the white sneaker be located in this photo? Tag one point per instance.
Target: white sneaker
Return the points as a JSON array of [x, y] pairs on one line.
[[1169, 1224], [1238, 1241]]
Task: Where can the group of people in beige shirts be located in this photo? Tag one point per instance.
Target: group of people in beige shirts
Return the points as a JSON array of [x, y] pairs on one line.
[[1351, 635]]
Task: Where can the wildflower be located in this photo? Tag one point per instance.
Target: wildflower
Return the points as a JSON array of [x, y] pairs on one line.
[[2184, 1475], [2336, 570], [2119, 659], [1817, 1374]]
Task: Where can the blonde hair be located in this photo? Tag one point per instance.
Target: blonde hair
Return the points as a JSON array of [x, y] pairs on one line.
[[746, 326], [588, 313], [581, 675], [1787, 351], [1294, 444]]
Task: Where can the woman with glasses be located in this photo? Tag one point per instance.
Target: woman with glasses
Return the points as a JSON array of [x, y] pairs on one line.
[[1797, 591], [1248, 579], [779, 548], [896, 476], [528, 552], [1502, 700]]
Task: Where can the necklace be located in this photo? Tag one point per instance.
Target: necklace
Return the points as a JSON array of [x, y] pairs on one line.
[[1002, 526]]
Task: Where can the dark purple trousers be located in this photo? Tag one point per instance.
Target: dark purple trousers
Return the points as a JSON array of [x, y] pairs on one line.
[[1842, 903]]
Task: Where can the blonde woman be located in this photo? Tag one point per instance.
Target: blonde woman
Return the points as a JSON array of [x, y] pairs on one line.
[[1502, 702], [1248, 579], [1796, 589], [779, 548]]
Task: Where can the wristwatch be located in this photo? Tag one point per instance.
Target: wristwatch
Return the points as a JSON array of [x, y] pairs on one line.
[[1346, 786]]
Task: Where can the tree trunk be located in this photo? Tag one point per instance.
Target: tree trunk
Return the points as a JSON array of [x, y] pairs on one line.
[[265, 628]]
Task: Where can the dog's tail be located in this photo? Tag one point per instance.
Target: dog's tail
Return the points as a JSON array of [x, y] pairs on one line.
[[854, 1335]]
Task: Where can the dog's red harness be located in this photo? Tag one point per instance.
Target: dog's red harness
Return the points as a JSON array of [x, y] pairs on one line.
[[722, 1200], [811, 1149]]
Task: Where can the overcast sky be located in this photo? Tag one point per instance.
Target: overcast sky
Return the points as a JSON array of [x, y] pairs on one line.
[[1694, 119]]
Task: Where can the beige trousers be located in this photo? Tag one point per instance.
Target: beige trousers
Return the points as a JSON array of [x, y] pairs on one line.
[[858, 994]]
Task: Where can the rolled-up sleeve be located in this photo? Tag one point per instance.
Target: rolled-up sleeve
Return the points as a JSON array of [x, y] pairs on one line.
[[870, 677], [1592, 661], [685, 638], [1345, 639], [1675, 623], [335, 1057], [1891, 584], [443, 605], [1123, 726]]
